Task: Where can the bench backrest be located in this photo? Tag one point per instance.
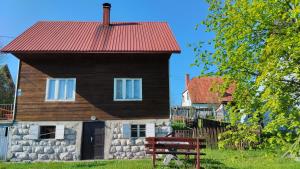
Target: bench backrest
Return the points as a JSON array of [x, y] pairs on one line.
[[174, 142]]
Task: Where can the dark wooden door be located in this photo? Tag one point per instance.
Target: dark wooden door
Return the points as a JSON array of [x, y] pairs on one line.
[[93, 140]]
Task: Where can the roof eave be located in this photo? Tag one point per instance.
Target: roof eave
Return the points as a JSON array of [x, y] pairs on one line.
[[58, 51]]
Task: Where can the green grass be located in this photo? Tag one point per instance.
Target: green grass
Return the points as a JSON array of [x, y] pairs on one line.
[[230, 159], [214, 159]]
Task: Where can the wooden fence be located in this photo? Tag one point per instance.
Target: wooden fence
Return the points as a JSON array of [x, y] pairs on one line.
[[6, 111], [208, 129]]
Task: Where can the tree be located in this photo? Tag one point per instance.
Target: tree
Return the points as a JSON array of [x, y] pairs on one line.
[[7, 86], [257, 47]]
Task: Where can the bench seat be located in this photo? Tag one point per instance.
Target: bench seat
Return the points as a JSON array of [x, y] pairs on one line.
[[175, 152]]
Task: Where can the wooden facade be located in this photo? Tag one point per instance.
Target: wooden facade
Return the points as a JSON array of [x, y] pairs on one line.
[[94, 75]]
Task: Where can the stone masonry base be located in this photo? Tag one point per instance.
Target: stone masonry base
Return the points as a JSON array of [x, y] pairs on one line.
[[117, 147], [23, 148]]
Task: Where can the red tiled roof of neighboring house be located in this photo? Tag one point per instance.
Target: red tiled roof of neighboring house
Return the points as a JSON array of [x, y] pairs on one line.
[[93, 37], [200, 90]]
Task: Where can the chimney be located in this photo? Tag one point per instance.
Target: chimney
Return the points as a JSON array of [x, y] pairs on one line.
[[187, 80], [106, 14]]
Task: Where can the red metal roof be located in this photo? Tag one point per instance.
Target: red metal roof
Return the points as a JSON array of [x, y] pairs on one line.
[[200, 90], [93, 37]]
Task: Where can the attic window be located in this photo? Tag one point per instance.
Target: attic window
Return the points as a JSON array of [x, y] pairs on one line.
[[127, 89]]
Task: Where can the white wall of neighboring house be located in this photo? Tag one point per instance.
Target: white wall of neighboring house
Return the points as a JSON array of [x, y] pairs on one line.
[[221, 112], [186, 101]]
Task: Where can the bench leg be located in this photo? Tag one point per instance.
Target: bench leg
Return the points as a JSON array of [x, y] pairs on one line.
[[195, 160], [198, 155], [153, 157], [153, 160]]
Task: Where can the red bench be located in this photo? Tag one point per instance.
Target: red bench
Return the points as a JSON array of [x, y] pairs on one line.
[[175, 146]]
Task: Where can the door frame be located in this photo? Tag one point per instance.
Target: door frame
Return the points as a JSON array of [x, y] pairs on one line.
[[82, 137]]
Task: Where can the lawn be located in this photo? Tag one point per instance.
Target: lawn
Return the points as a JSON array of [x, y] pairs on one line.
[[223, 159]]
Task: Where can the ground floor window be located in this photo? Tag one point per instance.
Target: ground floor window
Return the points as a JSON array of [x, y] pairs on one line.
[[47, 132], [138, 130]]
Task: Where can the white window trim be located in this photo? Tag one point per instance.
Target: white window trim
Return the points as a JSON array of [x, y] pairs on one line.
[[138, 130], [56, 90], [124, 89]]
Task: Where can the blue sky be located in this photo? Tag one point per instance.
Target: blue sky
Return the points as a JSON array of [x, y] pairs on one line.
[[18, 15]]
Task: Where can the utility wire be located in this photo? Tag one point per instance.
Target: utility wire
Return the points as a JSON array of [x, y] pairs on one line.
[[4, 36]]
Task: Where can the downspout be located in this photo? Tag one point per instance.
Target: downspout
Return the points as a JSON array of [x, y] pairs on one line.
[[170, 111], [16, 92], [169, 88]]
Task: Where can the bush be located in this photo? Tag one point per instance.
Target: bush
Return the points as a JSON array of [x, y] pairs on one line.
[[178, 126]]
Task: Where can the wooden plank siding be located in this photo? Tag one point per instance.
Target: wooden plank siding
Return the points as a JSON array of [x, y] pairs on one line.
[[94, 75]]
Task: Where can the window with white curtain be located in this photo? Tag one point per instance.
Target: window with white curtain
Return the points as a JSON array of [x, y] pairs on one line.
[[127, 89], [60, 89]]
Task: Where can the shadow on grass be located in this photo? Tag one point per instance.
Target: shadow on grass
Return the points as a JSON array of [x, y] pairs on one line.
[[92, 164], [213, 164], [204, 163]]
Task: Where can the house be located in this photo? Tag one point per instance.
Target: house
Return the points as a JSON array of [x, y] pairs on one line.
[[90, 90], [199, 95]]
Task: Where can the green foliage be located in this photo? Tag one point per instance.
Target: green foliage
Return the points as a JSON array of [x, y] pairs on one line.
[[240, 136], [6, 86], [178, 126], [256, 47]]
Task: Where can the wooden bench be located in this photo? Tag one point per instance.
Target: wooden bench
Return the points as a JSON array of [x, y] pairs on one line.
[[175, 146]]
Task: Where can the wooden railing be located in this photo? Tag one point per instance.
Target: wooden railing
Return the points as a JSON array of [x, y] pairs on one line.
[[191, 112], [208, 129], [6, 111]]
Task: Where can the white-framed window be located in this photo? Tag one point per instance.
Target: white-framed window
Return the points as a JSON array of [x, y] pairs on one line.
[[60, 89], [127, 89], [138, 130], [47, 132]]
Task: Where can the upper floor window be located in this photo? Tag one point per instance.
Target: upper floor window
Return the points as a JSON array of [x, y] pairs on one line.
[[61, 89], [127, 89]]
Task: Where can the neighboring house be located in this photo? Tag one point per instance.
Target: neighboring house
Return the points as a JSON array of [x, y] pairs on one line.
[[90, 90], [199, 95], [7, 86]]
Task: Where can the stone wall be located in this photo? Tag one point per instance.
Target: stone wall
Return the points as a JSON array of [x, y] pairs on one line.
[[117, 147], [22, 147]]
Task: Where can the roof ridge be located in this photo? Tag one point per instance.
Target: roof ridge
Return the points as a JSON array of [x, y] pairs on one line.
[[73, 21]]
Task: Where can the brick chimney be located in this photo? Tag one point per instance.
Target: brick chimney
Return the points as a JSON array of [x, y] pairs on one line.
[[187, 80], [106, 14]]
